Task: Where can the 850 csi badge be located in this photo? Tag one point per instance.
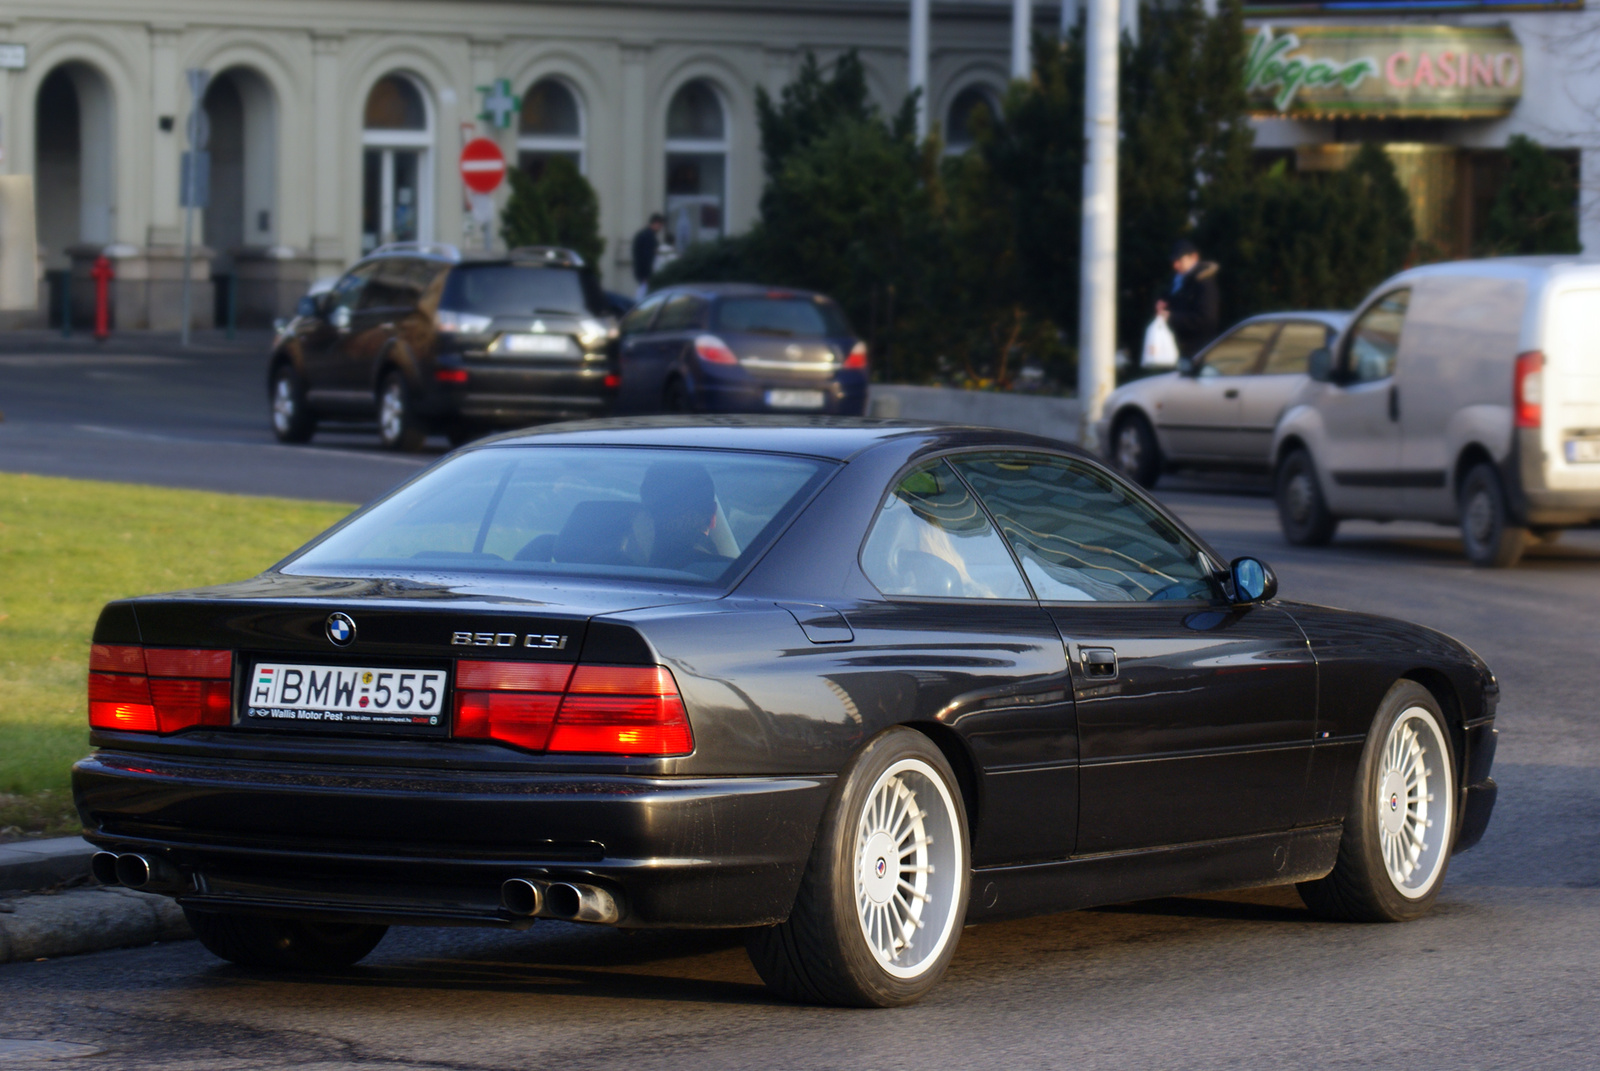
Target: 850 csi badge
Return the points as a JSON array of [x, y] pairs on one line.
[[341, 630], [508, 639]]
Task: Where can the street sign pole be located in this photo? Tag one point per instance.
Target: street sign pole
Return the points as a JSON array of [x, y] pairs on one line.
[[483, 169], [197, 131], [1097, 309]]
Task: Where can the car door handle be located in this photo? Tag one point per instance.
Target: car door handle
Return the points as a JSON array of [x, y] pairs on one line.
[[1231, 392], [1099, 663], [1394, 404]]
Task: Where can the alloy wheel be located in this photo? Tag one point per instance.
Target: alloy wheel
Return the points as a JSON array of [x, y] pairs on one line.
[[392, 410], [1130, 450], [1414, 802], [908, 866]]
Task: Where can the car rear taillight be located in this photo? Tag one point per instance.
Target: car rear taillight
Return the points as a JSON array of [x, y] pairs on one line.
[[159, 689], [857, 357], [713, 349], [1527, 390], [608, 710], [450, 375], [613, 381]]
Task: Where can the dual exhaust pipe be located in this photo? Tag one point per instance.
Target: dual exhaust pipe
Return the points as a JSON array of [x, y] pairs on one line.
[[566, 900], [136, 871]]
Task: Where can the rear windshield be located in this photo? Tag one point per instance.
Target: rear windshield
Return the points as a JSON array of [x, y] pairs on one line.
[[781, 316], [679, 516], [516, 290]]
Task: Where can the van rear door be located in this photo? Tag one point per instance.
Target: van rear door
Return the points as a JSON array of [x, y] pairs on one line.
[[1571, 385]]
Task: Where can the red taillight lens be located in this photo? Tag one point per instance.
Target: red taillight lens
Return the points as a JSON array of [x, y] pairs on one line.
[[613, 381], [185, 687], [614, 710], [623, 710], [713, 349], [121, 702], [450, 375], [857, 357], [1527, 390]]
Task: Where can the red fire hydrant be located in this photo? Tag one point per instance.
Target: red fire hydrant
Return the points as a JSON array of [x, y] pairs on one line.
[[102, 273]]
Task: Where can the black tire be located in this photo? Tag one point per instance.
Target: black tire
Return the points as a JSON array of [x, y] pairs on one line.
[[1489, 535], [399, 427], [676, 398], [1302, 511], [823, 954], [1361, 888], [275, 944], [292, 419], [1134, 450]]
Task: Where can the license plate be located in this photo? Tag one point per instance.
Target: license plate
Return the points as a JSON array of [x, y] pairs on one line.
[[345, 697], [794, 399], [536, 345], [1583, 450]]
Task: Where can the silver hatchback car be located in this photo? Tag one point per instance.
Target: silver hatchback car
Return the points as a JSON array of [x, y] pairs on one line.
[[1217, 410]]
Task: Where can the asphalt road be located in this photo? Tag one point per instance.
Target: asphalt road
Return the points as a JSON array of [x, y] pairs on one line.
[[1502, 975]]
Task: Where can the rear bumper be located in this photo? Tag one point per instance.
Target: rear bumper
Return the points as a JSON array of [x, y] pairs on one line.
[[841, 396], [434, 846], [513, 396]]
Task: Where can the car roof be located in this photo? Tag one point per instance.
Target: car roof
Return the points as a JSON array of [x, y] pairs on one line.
[[716, 290], [1334, 318], [837, 438]]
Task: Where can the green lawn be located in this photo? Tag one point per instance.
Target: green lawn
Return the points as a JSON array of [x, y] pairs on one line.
[[66, 548]]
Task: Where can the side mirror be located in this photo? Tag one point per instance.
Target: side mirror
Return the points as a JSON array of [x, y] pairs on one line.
[[307, 306], [1186, 366], [340, 318], [1253, 580], [1319, 366]]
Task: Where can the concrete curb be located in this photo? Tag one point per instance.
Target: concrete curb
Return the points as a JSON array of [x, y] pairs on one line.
[[86, 920], [43, 864]]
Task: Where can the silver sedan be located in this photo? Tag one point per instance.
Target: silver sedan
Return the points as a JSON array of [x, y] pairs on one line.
[[1218, 410]]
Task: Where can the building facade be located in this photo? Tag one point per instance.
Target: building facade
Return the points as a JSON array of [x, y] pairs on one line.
[[336, 125]]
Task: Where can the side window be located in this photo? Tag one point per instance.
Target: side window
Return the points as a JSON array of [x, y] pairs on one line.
[[1375, 339], [1291, 352], [396, 284], [931, 539], [682, 313], [1236, 354], [1083, 536], [347, 291], [639, 317]]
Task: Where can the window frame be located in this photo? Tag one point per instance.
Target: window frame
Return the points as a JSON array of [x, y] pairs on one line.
[[1346, 374], [557, 144], [1202, 359], [1219, 566], [677, 146]]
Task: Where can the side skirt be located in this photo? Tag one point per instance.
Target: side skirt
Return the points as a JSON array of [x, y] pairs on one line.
[[1183, 869]]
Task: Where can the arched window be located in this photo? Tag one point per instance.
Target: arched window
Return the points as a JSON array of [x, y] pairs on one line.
[[551, 124], [397, 175], [697, 164], [959, 133]]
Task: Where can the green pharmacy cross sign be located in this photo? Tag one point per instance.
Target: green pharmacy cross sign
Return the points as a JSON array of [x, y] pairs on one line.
[[500, 105], [1454, 72]]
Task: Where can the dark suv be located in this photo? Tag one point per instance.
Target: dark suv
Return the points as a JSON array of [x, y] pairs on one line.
[[424, 339]]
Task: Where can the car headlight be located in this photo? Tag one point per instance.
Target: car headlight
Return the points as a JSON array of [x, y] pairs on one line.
[[462, 323], [592, 333]]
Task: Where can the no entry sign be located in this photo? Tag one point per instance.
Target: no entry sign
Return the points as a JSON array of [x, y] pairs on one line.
[[483, 166]]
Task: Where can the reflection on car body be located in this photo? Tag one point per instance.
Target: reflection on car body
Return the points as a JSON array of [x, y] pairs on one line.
[[845, 684]]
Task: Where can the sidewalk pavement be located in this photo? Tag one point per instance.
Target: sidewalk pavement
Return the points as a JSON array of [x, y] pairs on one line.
[[52, 909]]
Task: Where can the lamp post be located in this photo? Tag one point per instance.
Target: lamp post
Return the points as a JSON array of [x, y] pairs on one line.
[[1097, 309]]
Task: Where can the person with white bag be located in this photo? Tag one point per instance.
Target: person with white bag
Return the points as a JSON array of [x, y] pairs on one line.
[[1192, 312]]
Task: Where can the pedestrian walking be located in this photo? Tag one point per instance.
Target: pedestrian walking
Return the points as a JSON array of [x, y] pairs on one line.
[[645, 244], [1193, 307]]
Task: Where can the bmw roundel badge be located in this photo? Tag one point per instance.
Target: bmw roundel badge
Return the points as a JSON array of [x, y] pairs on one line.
[[341, 630]]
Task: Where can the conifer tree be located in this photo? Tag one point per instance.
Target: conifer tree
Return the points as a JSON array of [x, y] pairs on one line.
[[1535, 210]]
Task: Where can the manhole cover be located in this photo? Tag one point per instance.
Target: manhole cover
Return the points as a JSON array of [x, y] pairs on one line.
[[16, 1050]]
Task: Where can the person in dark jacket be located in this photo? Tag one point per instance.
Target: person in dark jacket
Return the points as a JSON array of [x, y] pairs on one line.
[[645, 244], [1193, 308]]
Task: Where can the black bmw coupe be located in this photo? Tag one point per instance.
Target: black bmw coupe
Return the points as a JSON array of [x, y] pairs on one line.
[[846, 684]]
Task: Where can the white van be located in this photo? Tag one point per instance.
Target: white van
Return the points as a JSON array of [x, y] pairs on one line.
[[1466, 392]]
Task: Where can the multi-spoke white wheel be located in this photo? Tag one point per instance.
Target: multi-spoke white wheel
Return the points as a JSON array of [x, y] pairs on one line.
[[908, 861], [1401, 825], [399, 427], [1413, 814], [884, 896], [292, 421]]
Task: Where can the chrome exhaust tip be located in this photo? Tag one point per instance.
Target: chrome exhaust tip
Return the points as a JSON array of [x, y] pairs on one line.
[[581, 903], [147, 872], [522, 897], [103, 865]]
